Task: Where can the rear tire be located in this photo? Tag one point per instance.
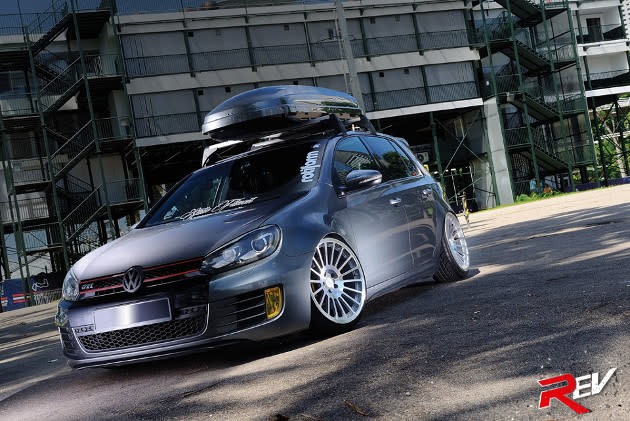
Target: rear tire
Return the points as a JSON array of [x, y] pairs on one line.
[[454, 258], [336, 286]]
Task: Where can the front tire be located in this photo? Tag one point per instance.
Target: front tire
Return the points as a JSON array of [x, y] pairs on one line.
[[337, 287], [454, 256]]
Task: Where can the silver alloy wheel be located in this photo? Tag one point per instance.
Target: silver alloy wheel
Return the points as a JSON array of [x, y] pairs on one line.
[[337, 283], [456, 241]]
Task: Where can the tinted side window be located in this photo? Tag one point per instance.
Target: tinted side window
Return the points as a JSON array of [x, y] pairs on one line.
[[351, 155], [392, 164], [408, 162]]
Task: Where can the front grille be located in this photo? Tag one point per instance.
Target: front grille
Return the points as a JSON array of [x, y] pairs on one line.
[[159, 274], [143, 335], [239, 312], [153, 277]]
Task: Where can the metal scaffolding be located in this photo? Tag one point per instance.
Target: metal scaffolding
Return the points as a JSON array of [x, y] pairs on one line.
[[52, 212]]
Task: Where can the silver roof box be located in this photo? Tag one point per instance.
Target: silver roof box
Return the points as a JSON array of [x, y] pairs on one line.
[[265, 111]]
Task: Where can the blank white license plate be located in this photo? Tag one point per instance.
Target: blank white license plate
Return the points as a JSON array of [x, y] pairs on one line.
[[131, 315]]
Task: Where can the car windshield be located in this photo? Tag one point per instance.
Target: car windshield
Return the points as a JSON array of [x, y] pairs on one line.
[[242, 181]]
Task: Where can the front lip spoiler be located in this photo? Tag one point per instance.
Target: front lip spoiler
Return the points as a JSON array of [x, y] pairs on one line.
[[82, 364]]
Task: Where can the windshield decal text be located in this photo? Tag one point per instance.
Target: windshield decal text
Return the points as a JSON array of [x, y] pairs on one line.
[[308, 170], [233, 203]]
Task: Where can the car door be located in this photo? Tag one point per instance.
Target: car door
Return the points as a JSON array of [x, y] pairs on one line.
[[423, 215], [416, 195], [378, 222]]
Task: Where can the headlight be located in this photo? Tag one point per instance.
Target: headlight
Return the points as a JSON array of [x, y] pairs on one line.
[[253, 246], [70, 289]]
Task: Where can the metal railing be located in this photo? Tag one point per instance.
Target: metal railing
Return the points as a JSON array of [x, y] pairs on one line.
[[107, 130], [162, 125], [290, 53], [96, 65], [516, 137], [498, 29], [157, 65], [395, 99], [17, 103], [601, 33], [561, 53], [52, 91], [608, 79], [41, 237], [547, 4], [118, 192], [519, 138], [511, 83], [280, 54], [11, 26], [123, 191], [53, 63], [331, 49], [46, 20], [417, 96], [35, 208], [444, 39], [223, 59], [453, 91], [390, 45], [30, 170], [573, 104], [580, 154]]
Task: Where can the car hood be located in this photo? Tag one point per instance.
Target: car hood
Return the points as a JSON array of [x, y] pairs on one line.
[[176, 241]]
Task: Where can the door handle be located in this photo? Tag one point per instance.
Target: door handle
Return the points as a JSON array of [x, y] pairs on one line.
[[426, 194], [395, 202]]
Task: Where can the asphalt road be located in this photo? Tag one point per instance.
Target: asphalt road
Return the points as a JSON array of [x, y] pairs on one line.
[[549, 294]]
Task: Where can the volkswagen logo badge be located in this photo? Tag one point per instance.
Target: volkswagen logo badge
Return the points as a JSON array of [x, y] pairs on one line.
[[132, 279]]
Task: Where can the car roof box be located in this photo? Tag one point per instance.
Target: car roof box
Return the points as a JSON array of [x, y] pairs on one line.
[[266, 111]]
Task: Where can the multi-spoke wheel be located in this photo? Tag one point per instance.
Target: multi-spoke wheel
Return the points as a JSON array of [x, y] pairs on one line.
[[337, 285], [454, 259]]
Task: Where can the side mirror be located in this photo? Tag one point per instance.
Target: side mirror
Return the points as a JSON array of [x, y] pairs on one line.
[[358, 179]]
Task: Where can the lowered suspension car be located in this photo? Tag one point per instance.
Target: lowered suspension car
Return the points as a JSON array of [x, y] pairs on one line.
[[310, 215]]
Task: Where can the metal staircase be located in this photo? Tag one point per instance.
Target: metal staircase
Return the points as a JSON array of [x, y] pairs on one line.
[[529, 85], [67, 214], [530, 12]]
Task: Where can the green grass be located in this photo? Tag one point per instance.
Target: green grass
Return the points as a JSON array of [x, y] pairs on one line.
[[523, 198]]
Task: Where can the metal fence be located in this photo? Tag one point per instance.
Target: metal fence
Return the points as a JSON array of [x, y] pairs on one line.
[[35, 208], [162, 125], [290, 53]]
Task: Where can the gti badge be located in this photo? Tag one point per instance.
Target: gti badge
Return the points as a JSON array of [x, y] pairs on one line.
[[132, 279]]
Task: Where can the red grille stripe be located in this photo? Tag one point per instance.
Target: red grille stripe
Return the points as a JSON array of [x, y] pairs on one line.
[[170, 276], [197, 259]]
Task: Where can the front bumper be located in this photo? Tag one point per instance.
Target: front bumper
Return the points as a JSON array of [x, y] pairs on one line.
[[205, 312]]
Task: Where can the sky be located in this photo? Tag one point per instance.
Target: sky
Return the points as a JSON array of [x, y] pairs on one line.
[[28, 6]]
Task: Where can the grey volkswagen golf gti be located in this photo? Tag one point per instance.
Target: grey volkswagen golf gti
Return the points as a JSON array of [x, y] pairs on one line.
[[315, 215]]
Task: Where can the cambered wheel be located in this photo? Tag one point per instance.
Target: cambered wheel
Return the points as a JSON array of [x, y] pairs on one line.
[[454, 258], [337, 287]]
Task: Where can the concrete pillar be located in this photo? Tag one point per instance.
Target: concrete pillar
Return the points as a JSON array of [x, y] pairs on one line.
[[497, 152]]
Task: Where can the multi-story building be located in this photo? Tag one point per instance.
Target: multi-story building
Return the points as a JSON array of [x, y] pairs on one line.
[[603, 50], [102, 100]]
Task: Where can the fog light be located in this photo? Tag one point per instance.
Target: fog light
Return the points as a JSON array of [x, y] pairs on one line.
[[273, 301]]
